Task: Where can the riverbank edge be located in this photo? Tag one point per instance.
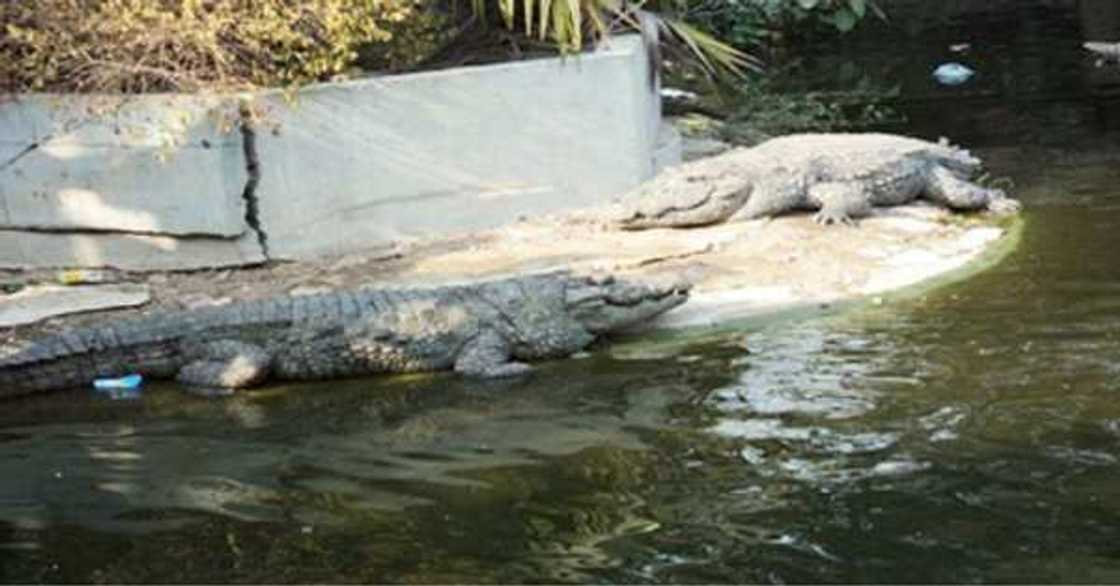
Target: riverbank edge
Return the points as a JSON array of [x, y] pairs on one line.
[[657, 335], [170, 291]]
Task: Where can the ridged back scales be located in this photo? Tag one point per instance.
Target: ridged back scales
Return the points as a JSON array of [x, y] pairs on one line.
[[858, 155], [153, 343]]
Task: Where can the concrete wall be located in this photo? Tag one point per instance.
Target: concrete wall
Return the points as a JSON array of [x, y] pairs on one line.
[[157, 184], [148, 183], [383, 159]]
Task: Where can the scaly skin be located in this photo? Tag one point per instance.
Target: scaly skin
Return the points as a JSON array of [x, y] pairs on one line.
[[483, 329], [842, 176]]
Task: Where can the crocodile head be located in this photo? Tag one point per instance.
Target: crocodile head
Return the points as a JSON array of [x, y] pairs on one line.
[[606, 304], [961, 162]]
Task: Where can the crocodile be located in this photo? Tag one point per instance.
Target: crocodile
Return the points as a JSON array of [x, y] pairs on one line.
[[842, 176], [485, 329]]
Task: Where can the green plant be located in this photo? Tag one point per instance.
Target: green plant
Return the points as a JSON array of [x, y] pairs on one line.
[[415, 39], [840, 15], [572, 24], [757, 110], [136, 46], [746, 23]]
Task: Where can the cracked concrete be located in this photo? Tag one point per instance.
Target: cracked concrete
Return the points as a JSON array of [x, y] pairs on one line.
[[253, 170], [150, 166], [344, 167], [15, 158], [152, 184]]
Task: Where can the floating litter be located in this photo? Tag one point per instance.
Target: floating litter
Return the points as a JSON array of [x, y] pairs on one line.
[[132, 381], [952, 74]]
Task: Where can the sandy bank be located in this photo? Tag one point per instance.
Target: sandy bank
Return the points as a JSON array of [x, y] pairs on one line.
[[739, 270]]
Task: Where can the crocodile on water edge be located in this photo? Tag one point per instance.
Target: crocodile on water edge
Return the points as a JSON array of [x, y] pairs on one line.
[[841, 175], [482, 329]]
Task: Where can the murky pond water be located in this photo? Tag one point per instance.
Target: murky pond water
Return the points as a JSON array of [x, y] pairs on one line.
[[968, 434]]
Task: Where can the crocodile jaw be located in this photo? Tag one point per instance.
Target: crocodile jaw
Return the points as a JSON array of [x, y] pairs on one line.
[[606, 305]]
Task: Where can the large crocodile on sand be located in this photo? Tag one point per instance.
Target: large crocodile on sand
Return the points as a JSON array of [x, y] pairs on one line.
[[482, 329], [840, 175]]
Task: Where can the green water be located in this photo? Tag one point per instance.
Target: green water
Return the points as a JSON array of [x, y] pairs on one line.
[[969, 434]]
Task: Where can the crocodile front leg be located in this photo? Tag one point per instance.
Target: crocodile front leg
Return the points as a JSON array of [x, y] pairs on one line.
[[944, 187], [225, 365], [488, 356], [839, 203]]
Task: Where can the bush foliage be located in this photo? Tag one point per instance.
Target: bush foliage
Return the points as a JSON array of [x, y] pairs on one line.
[[143, 46], [138, 46], [747, 23]]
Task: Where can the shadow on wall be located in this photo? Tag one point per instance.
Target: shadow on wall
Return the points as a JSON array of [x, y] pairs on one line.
[[151, 184]]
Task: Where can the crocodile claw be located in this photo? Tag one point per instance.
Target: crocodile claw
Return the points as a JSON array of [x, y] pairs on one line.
[[1004, 206], [826, 219]]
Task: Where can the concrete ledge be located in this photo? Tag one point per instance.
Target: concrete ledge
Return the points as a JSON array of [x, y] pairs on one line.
[[151, 164], [374, 161], [133, 252], [39, 303], [346, 166]]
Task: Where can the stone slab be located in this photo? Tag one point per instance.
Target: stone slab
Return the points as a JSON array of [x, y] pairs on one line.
[[152, 164], [372, 161], [38, 303], [134, 252], [153, 120]]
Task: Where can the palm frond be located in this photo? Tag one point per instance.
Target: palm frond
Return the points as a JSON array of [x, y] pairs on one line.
[[565, 23], [527, 7], [572, 16], [478, 9], [506, 8], [713, 54], [545, 11]]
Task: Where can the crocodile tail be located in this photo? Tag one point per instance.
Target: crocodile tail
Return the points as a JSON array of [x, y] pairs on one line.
[[75, 358], [47, 375]]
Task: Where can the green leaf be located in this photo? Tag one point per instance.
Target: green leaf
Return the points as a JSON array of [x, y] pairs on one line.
[[859, 7], [529, 5], [878, 11], [566, 25], [506, 8], [808, 4], [712, 53], [844, 20], [478, 8], [599, 27], [575, 20], [545, 7]]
